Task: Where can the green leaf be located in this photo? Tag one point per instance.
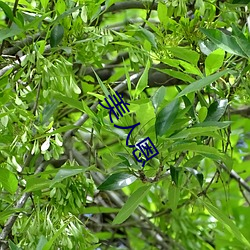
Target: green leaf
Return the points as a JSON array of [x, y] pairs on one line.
[[227, 223], [66, 172], [177, 74], [132, 203], [166, 117], [117, 181], [147, 35], [49, 244], [214, 61], [186, 54], [197, 85], [7, 10], [219, 125], [193, 132], [34, 183], [198, 175], [158, 97], [56, 35], [41, 243], [70, 101], [162, 12], [8, 180], [174, 172], [143, 81], [9, 32], [216, 110], [44, 3], [202, 114], [104, 89], [13, 246], [49, 110], [223, 41], [204, 150], [173, 196]]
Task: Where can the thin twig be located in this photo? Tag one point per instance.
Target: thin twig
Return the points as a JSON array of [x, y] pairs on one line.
[[148, 14], [20, 203], [235, 176]]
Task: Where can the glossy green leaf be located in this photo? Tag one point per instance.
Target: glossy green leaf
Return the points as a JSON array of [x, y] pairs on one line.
[[198, 175], [8, 180], [166, 117], [117, 181], [158, 97], [216, 110], [214, 61], [173, 196], [198, 85], [223, 41], [228, 224], [244, 45], [131, 204], [56, 35]]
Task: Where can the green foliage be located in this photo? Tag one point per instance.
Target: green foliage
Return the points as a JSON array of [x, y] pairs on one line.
[[68, 179]]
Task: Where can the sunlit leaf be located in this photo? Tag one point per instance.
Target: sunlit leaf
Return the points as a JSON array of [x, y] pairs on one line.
[[214, 61], [8, 180]]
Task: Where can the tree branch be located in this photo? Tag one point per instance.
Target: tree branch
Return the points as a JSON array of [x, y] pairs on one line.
[[21, 44], [235, 176]]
